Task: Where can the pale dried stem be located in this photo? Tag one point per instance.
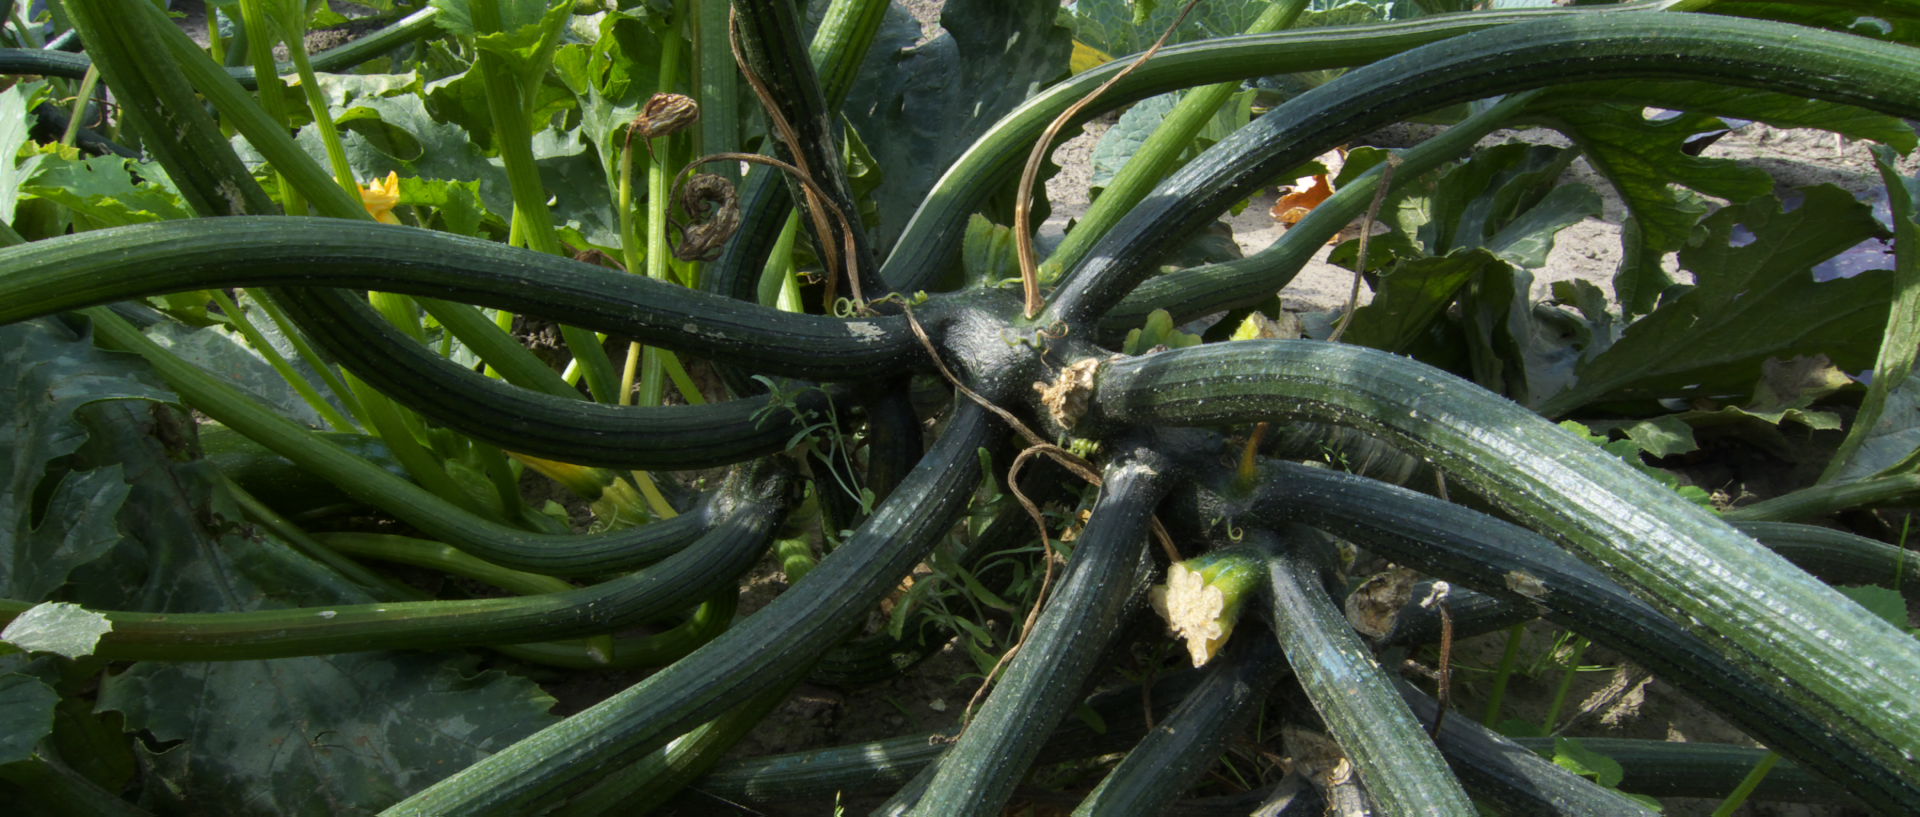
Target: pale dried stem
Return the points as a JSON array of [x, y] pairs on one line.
[[1023, 197]]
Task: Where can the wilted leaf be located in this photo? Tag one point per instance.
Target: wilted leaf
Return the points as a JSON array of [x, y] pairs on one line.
[[58, 627], [1755, 300], [1297, 203]]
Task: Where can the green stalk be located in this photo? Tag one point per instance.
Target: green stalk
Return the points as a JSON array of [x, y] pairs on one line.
[[279, 362], [398, 309], [84, 96], [441, 557], [1508, 660], [777, 276], [1816, 501], [391, 426], [305, 349], [294, 34], [1566, 685], [513, 133], [1740, 793], [652, 387], [1155, 158], [272, 94], [257, 512], [158, 34]]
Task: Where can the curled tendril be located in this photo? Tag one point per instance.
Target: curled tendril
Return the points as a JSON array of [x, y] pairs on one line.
[[710, 201]]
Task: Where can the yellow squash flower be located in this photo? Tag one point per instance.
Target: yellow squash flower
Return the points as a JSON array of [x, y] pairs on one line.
[[381, 197]]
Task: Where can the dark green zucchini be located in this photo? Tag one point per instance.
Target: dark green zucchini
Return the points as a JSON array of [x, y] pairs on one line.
[[1179, 749], [1512, 779], [1659, 768], [1527, 571], [1109, 563], [770, 648], [1401, 769], [1787, 630], [115, 264]]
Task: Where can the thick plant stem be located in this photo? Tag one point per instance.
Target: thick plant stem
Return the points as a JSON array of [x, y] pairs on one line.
[[513, 133]]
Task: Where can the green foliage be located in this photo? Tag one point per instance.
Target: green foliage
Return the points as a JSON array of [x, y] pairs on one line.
[[924, 104], [1647, 438]]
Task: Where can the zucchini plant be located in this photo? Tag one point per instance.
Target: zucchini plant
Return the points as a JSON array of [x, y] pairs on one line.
[[902, 396]]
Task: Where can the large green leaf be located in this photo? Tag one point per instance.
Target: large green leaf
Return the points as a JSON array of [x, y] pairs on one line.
[[54, 518], [1755, 299], [102, 191], [14, 123], [1896, 20], [1411, 297], [339, 735], [1645, 162], [926, 103], [26, 715], [333, 735]]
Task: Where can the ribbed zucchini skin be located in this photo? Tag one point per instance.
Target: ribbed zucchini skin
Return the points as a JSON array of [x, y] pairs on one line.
[[1787, 629], [1401, 769], [1736, 51], [770, 41], [1109, 563], [772, 647], [115, 264], [530, 422], [1839, 557]]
